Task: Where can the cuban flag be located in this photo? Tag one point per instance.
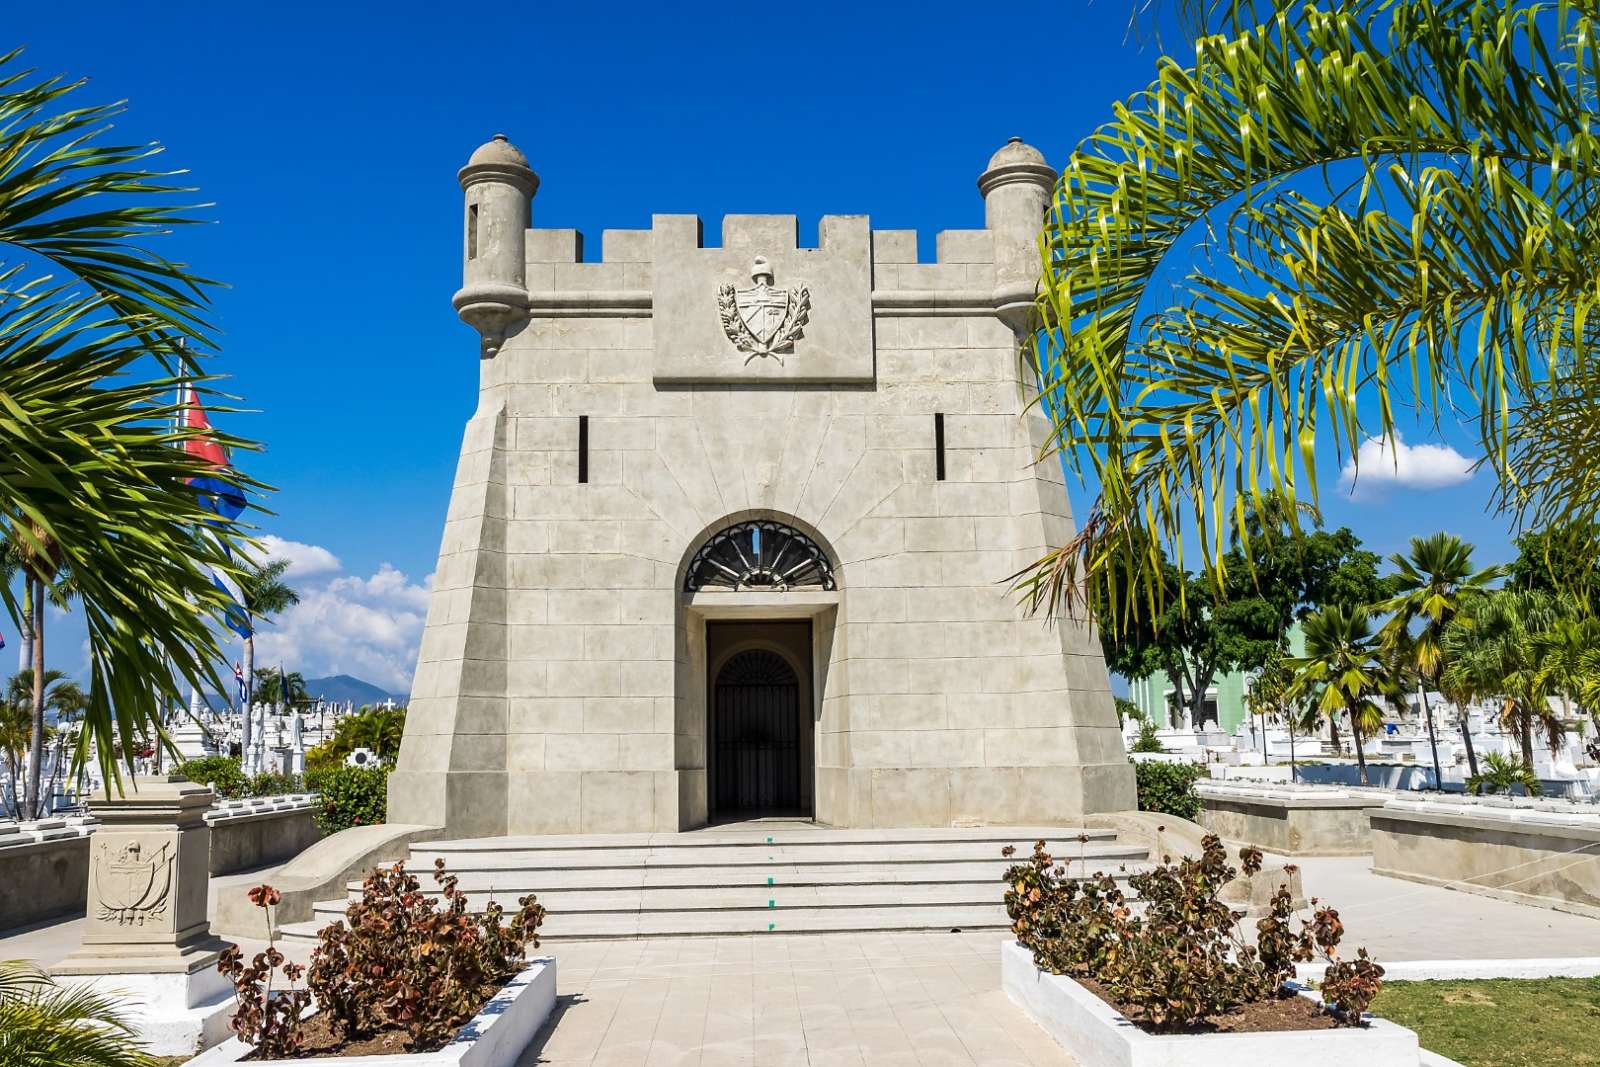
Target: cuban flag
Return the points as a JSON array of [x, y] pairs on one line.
[[217, 495], [238, 681]]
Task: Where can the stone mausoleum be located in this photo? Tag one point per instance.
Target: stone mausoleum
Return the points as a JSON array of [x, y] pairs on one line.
[[732, 527]]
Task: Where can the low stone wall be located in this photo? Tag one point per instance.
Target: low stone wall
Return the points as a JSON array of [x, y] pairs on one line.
[[261, 830], [1540, 852], [44, 865], [44, 869], [1296, 820]]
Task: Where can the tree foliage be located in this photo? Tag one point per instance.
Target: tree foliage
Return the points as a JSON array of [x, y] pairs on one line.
[[45, 1025], [92, 477], [1396, 200]]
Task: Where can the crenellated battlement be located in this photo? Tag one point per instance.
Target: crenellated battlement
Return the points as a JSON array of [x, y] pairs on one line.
[[964, 259]]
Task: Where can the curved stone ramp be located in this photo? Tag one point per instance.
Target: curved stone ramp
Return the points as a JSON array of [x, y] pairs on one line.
[[786, 878]]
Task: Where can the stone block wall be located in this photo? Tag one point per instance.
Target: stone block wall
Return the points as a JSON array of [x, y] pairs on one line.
[[561, 681]]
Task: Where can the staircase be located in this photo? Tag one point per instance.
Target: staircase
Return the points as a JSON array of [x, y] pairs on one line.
[[779, 876]]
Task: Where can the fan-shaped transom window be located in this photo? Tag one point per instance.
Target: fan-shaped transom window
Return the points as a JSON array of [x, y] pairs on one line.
[[760, 555]]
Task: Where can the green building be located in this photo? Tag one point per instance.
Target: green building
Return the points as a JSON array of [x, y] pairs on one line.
[[1225, 697]]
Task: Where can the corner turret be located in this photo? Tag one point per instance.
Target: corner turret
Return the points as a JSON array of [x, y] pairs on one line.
[[499, 187], [1016, 188]]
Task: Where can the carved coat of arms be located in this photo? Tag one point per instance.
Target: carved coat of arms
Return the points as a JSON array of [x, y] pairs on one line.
[[763, 320], [133, 886]]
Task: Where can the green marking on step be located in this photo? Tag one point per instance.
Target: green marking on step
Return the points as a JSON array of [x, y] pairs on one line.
[[769, 840], [772, 903], [772, 926], [769, 879]]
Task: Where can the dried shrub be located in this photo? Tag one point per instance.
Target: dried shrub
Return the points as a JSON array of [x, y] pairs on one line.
[[1182, 958], [416, 961], [267, 1018]]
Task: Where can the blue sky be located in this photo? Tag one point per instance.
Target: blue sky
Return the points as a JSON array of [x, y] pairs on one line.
[[328, 136]]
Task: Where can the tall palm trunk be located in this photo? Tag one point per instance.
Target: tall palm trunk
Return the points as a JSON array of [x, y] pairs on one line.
[[1527, 739], [247, 726], [1333, 735], [25, 653], [36, 741], [1433, 743], [1361, 756], [1466, 738]]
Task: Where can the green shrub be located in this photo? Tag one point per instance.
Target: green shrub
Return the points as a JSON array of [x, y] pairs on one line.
[[222, 773], [1147, 741], [1169, 788], [272, 784], [351, 796]]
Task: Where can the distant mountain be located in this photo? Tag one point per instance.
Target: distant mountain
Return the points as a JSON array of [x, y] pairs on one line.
[[341, 687]]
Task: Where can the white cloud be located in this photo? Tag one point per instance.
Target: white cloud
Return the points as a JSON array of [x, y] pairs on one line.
[[346, 624], [1381, 465], [303, 559]]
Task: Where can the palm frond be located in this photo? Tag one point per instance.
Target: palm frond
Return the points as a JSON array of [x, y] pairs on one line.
[[1391, 223]]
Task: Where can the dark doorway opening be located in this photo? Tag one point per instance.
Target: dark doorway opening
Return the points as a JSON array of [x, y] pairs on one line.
[[760, 721]]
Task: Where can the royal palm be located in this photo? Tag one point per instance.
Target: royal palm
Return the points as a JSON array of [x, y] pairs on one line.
[[265, 595], [1341, 672], [1491, 654], [1433, 584]]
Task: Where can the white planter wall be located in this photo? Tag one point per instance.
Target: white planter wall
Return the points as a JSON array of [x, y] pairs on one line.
[[1097, 1035], [495, 1037]]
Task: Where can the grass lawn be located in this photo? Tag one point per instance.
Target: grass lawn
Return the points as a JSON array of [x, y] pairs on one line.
[[1502, 1022]]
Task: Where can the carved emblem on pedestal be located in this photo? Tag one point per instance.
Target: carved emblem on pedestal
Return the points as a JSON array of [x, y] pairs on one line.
[[763, 320], [134, 882]]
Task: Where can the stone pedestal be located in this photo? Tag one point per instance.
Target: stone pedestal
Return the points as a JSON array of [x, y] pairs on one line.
[[146, 938]]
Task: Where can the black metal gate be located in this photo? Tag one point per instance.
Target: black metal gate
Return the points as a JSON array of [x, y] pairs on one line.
[[757, 734]]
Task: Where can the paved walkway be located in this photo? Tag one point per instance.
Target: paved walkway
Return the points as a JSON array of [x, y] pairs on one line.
[[1401, 920], [913, 998], [835, 999]]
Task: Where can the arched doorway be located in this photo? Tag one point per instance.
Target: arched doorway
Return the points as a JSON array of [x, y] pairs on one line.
[[756, 713]]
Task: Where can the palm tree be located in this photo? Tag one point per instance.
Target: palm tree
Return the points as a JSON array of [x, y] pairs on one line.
[[1341, 668], [1501, 773], [92, 477], [45, 579], [265, 594], [1395, 200], [1568, 655], [1433, 584], [44, 1025], [1490, 654], [62, 696], [16, 728]]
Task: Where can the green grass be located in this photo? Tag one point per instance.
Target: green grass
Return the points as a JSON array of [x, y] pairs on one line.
[[1502, 1022]]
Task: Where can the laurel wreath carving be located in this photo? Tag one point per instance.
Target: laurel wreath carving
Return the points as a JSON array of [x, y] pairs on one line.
[[739, 333]]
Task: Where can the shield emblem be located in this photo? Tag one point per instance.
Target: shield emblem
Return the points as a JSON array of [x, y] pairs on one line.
[[134, 887], [764, 310], [763, 320]]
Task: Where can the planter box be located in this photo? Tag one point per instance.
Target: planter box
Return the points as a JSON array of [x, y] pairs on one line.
[[495, 1037], [1096, 1035]]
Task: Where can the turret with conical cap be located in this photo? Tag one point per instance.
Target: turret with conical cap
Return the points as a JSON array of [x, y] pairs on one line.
[[498, 185]]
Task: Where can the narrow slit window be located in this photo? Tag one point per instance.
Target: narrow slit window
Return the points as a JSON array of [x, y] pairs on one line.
[[938, 445], [583, 449], [472, 231]]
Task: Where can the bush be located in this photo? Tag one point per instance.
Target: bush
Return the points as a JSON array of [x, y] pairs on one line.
[[272, 784], [1147, 741], [401, 960], [1169, 788], [222, 773], [1183, 960], [351, 796]]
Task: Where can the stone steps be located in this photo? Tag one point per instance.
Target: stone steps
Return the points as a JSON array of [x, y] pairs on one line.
[[721, 883]]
